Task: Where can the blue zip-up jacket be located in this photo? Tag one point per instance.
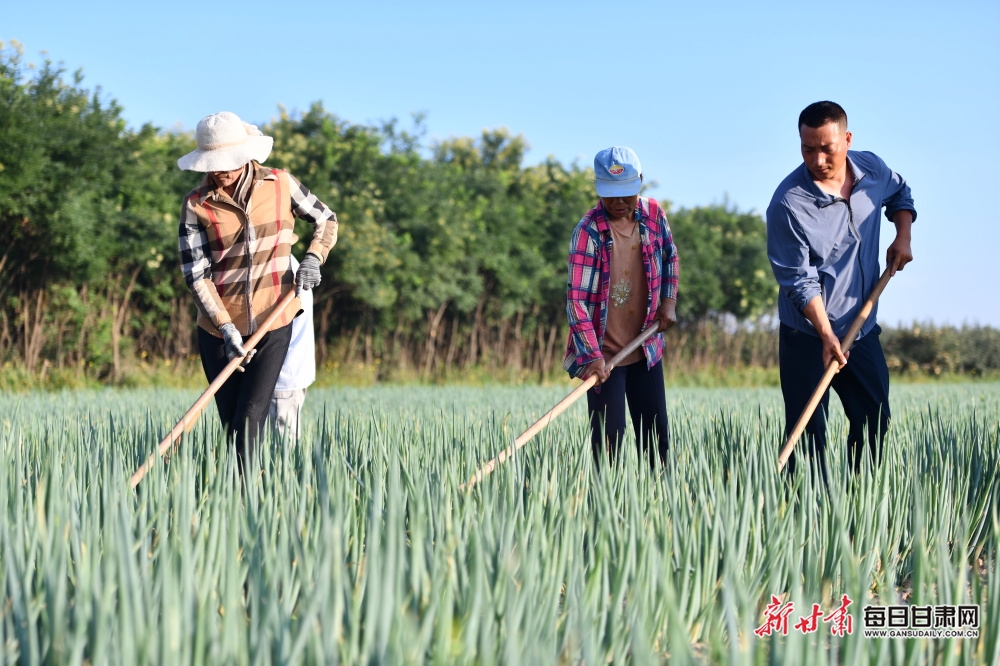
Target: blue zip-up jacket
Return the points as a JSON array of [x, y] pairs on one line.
[[821, 244]]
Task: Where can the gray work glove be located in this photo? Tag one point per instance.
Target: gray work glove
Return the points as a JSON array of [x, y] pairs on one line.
[[308, 275], [234, 344]]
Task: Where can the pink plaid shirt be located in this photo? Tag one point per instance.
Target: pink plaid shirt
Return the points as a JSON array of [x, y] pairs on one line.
[[590, 281]]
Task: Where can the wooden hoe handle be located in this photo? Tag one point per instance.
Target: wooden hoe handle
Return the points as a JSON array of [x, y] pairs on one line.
[[190, 416], [547, 418], [831, 370]]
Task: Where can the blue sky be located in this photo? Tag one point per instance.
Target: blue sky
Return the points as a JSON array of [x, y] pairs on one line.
[[706, 93]]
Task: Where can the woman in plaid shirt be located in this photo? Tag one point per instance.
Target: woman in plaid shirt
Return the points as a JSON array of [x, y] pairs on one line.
[[623, 273], [235, 242]]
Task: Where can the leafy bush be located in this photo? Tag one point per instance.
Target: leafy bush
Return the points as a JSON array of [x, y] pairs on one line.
[[936, 350]]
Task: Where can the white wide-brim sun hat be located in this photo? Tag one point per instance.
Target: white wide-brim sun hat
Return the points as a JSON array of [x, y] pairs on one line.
[[225, 143]]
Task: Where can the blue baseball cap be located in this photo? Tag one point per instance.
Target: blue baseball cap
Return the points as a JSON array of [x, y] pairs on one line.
[[618, 172]]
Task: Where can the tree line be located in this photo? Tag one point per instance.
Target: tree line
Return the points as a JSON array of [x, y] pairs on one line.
[[452, 254]]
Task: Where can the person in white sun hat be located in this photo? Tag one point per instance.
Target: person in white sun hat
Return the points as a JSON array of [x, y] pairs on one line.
[[235, 241], [622, 279]]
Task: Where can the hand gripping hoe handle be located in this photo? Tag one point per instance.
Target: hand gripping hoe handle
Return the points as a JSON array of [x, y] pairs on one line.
[[547, 418], [191, 416], [831, 370]]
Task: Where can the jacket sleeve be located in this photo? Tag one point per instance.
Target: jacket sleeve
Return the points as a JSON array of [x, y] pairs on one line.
[[671, 264], [788, 253], [315, 212], [196, 265], [584, 277], [897, 195]]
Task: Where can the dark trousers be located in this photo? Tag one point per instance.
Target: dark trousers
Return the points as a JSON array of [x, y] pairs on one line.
[[863, 387], [647, 405], [244, 398]]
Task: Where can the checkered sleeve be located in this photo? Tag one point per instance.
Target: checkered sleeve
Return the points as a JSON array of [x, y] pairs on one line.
[[196, 266], [306, 205], [583, 282], [671, 265]]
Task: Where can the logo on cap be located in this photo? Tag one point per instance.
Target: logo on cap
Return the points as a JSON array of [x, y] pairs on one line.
[[616, 170]]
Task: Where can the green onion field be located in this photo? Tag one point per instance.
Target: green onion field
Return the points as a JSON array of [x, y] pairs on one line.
[[357, 546]]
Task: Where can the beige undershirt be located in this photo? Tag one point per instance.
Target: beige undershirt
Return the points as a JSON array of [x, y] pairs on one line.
[[629, 295]]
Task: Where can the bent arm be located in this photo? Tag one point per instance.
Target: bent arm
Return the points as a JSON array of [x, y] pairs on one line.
[[900, 251], [582, 282], [666, 313], [788, 252], [671, 270], [196, 265], [306, 205], [897, 196], [815, 312]]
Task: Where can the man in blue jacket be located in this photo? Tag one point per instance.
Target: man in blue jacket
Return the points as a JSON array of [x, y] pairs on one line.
[[823, 239]]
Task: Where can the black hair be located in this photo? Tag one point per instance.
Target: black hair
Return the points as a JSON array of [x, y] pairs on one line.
[[818, 114]]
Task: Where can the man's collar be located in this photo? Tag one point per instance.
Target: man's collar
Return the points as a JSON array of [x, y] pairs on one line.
[[855, 169], [822, 197]]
